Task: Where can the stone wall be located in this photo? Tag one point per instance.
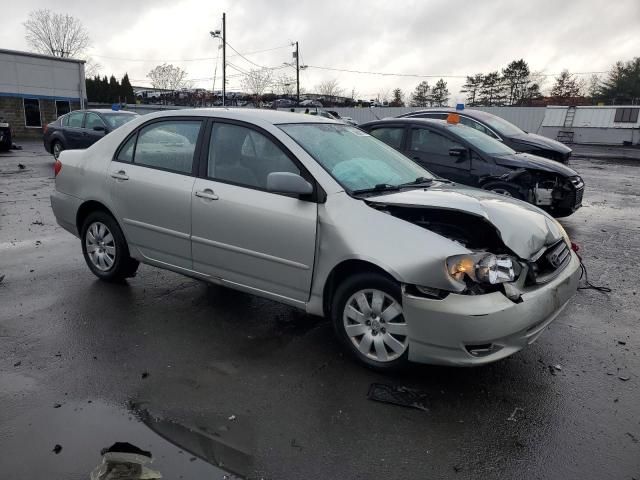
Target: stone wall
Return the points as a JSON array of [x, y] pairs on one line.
[[12, 111]]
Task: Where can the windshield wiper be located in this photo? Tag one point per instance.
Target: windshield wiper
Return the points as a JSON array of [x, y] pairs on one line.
[[380, 187], [418, 182]]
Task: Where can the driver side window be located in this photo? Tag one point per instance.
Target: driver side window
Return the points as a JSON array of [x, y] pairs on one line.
[[478, 126]]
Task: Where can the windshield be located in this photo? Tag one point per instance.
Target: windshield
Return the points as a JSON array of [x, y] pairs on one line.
[[354, 158], [500, 124], [482, 141], [116, 120]]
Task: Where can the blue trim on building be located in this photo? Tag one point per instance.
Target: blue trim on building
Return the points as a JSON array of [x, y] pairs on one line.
[[40, 97]]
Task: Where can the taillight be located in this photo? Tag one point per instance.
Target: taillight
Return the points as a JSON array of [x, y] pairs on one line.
[[44, 129], [57, 166]]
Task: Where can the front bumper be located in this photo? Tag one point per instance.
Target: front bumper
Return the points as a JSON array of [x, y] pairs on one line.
[[467, 330]]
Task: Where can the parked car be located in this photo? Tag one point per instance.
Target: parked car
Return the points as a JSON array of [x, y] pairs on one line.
[[465, 155], [82, 128], [311, 103], [283, 103], [502, 130], [347, 120], [5, 136], [323, 217]]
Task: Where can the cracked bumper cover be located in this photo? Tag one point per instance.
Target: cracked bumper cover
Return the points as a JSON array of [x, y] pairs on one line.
[[439, 330]]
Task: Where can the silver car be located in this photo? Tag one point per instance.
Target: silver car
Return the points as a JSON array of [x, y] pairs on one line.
[[321, 216]]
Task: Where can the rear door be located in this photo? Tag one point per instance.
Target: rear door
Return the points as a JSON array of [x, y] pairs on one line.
[[89, 135], [72, 131], [431, 149], [392, 135], [261, 241], [152, 179]]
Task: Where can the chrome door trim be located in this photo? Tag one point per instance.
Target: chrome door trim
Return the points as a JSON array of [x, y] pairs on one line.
[[253, 253], [155, 228]]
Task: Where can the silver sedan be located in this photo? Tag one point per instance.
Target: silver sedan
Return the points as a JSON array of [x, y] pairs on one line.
[[321, 216]]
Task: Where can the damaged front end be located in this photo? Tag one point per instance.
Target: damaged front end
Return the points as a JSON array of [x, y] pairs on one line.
[[490, 266], [556, 194]]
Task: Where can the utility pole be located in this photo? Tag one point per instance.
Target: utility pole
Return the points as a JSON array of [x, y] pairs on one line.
[[297, 75], [224, 59]]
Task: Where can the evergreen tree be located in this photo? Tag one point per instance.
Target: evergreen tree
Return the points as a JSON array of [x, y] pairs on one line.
[[566, 86], [472, 89], [491, 92], [516, 80], [113, 89], [439, 94], [622, 84], [126, 90], [420, 96], [397, 98]]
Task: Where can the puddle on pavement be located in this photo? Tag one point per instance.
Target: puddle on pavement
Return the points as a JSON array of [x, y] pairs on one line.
[[83, 430]]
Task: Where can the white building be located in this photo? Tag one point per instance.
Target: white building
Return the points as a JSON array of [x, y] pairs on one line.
[[36, 89]]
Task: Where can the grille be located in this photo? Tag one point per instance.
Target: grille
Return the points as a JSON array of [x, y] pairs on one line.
[[551, 263]]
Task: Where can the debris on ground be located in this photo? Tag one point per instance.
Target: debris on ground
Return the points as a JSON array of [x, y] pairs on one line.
[[232, 417], [145, 374], [57, 449], [1, 278], [57, 405], [21, 166], [621, 342], [125, 461], [633, 438], [512, 417], [37, 222], [17, 364], [624, 378], [398, 395]]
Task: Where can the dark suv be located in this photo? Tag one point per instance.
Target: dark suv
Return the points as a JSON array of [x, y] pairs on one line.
[[502, 130], [82, 128]]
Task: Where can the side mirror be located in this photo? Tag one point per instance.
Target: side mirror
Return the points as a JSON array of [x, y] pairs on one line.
[[289, 183], [100, 128], [460, 153]]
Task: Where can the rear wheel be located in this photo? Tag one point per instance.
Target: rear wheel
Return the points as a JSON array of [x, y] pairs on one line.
[[504, 188], [105, 249], [368, 319], [56, 148]]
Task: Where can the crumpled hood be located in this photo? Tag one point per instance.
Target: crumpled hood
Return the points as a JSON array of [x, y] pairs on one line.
[[527, 160], [525, 229], [541, 142]]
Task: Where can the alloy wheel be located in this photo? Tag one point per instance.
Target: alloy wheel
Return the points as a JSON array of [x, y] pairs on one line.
[[57, 148], [101, 246], [374, 323]]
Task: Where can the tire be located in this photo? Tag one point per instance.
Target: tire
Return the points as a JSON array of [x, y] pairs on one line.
[[561, 212], [56, 148], [110, 260], [380, 333], [504, 188]]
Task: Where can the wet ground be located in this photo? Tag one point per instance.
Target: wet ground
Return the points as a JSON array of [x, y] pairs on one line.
[[205, 377]]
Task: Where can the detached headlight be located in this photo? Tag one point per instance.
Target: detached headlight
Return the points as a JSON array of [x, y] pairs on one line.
[[483, 268]]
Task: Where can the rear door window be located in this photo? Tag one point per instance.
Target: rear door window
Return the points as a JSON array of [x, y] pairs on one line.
[[93, 120], [167, 145]]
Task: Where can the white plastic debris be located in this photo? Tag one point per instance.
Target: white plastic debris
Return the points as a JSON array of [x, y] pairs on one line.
[[123, 461]]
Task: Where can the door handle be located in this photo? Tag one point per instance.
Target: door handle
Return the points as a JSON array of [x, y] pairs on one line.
[[121, 175], [206, 193]]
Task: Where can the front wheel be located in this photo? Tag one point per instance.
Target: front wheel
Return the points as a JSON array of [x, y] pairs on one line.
[[368, 319], [105, 249], [504, 188]]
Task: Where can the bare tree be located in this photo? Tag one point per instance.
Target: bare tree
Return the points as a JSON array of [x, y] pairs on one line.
[[285, 86], [256, 82], [91, 68], [168, 77], [56, 34], [329, 88], [383, 96]]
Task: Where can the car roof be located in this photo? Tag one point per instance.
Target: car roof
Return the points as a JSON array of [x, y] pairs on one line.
[[274, 117], [466, 111], [106, 110], [440, 124]]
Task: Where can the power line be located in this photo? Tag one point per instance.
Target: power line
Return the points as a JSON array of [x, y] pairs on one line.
[[418, 75]]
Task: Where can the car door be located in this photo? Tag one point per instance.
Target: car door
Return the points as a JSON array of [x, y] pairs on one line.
[[89, 135], [152, 177], [250, 238], [72, 131], [431, 149]]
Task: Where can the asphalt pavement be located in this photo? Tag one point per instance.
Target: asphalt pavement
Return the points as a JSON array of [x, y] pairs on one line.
[[217, 383]]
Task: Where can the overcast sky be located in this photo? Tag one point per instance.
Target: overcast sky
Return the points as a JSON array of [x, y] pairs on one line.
[[430, 37]]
